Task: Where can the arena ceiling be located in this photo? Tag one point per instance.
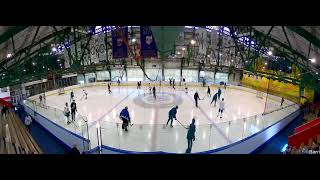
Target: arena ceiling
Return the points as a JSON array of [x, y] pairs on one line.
[[299, 43]]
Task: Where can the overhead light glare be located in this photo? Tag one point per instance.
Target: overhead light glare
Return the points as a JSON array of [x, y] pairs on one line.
[[313, 60]]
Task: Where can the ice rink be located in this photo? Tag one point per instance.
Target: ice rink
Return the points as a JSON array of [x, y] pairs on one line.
[[241, 118]]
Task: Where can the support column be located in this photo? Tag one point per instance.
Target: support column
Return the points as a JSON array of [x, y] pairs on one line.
[[182, 61], [75, 45], [144, 68], [199, 73], [54, 81], [23, 91], [125, 69], [162, 71], [106, 43], [109, 70], [84, 78]]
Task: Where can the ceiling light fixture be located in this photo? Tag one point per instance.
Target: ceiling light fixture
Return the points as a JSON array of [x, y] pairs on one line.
[[313, 60]]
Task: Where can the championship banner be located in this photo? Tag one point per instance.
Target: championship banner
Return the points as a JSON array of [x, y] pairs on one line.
[[148, 44], [119, 47]]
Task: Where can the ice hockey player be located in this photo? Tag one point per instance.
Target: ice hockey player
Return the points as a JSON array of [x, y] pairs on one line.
[[282, 100], [73, 110], [185, 87], [208, 91], [67, 113], [85, 94], [172, 114], [196, 98], [71, 96], [125, 117], [221, 108], [219, 93], [173, 83], [40, 98], [191, 135], [214, 98], [109, 87], [154, 92]]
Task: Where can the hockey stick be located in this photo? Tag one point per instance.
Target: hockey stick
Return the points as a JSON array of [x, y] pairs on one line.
[[126, 119], [181, 124]]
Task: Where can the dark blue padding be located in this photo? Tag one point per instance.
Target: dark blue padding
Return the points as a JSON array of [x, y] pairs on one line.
[[61, 126], [54, 136]]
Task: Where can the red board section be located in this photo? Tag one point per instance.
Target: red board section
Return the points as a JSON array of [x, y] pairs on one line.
[[306, 126], [303, 136], [3, 102]]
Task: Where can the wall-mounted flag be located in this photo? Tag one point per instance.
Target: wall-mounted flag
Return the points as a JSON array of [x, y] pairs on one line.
[[119, 47], [148, 43]]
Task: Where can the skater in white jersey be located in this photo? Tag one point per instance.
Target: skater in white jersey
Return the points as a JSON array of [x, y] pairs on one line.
[[221, 107]]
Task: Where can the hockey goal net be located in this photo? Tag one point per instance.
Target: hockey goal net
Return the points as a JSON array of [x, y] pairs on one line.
[[259, 94], [61, 91]]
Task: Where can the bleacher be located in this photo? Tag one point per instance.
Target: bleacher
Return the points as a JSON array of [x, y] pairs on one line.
[[15, 138], [308, 134]]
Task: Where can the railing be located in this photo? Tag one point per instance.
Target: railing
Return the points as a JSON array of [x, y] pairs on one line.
[[162, 138], [79, 126]]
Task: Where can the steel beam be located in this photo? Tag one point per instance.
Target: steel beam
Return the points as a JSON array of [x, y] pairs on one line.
[[11, 32], [235, 42], [265, 38], [61, 38], [305, 34], [285, 33], [30, 46], [275, 41]]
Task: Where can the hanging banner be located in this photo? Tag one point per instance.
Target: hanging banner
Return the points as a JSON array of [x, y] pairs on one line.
[[201, 38], [119, 47], [148, 44]]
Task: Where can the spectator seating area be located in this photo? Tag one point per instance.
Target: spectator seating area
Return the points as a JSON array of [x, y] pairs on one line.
[[307, 136], [15, 138]]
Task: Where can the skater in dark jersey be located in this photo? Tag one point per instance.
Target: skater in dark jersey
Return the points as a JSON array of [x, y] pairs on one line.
[[208, 91], [154, 92], [109, 88], [172, 114], [191, 135], [214, 98], [196, 98], [219, 93]]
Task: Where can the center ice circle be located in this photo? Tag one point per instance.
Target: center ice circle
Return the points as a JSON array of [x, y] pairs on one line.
[[162, 100]]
